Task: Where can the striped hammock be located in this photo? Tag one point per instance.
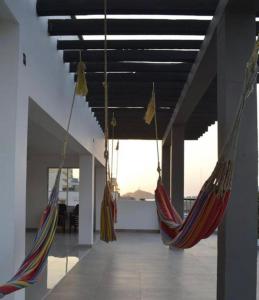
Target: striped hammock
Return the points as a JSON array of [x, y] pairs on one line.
[[36, 259], [211, 203], [206, 213]]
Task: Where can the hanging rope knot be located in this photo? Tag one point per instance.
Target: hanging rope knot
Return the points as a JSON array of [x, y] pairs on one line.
[[113, 121], [106, 154], [159, 169]]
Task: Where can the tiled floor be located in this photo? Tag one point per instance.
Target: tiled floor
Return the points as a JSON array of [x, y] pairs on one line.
[[64, 255], [139, 267]]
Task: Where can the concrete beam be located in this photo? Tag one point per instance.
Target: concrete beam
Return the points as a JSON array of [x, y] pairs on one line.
[[237, 239], [86, 200], [166, 166], [177, 168], [201, 75]]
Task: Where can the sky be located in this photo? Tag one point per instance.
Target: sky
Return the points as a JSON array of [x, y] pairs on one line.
[[138, 162]]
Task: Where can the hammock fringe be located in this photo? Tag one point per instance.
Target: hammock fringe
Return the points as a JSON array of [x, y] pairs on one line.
[[108, 216]]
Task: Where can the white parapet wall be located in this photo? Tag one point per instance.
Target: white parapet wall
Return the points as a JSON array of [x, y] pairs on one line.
[[136, 215]]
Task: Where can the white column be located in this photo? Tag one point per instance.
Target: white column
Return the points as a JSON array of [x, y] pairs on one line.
[[37, 190], [86, 200], [13, 154], [237, 239], [166, 166], [177, 168], [99, 189]]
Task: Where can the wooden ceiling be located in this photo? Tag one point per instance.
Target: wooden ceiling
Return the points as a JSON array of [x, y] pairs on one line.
[[135, 64]]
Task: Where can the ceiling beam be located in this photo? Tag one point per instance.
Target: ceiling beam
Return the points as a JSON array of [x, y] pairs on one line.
[[202, 74], [133, 103], [115, 7], [129, 44], [131, 55], [137, 76], [134, 67], [125, 86], [57, 27]]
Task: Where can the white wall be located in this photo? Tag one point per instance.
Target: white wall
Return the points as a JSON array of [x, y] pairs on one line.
[[46, 78], [13, 122], [137, 215]]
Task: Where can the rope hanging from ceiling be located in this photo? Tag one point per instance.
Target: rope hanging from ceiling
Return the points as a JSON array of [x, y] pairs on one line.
[[36, 260], [210, 206], [108, 207]]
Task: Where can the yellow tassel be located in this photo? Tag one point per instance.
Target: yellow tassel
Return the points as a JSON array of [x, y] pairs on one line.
[[151, 109], [107, 232], [81, 85]]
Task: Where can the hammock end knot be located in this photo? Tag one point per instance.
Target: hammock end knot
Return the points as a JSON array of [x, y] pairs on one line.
[[106, 154]]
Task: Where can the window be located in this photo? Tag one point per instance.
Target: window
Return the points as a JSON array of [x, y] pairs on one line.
[[69, 185]]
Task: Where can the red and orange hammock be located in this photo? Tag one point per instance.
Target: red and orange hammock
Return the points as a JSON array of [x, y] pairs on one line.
[[211, 203], [205, 216], [36, 259]]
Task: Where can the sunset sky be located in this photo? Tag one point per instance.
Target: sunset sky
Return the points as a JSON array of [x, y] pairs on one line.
[[138, 163]]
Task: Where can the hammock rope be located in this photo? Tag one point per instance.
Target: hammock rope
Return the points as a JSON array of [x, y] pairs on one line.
[[35, 261], [113, 125], [156, 132], [211, 203], [108, 209]]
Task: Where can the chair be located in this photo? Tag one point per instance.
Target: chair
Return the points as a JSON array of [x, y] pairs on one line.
[[74, 219], [62, 216]]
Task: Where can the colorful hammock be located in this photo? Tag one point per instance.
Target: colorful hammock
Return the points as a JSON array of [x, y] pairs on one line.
[[36, 259], [211, 203]]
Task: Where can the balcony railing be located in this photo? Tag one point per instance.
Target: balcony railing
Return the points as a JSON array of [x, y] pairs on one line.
[[188, 203]]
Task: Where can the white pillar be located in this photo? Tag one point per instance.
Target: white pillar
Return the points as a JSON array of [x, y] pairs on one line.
[[177, 168], [166, 166], [13, 155], [86, 200], [37, 191], [237, 239], [99, 189]]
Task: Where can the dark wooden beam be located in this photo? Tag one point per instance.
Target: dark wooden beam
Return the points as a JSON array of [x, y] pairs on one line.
[[134, 67], [117, 111], [124, 87], [95, 7], [59, 27], [136, 102], [131, 100], [137, 76], [129, 44], [131, 55], [136, 114]]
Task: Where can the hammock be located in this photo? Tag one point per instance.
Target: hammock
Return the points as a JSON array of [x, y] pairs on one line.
[[36, 259], [211, 203]]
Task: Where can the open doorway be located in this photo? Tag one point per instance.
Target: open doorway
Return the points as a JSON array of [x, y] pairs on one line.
[[68, 219], [45, 140]]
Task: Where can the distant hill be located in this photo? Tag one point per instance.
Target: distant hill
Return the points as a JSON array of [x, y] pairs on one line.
[[139, 194]]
